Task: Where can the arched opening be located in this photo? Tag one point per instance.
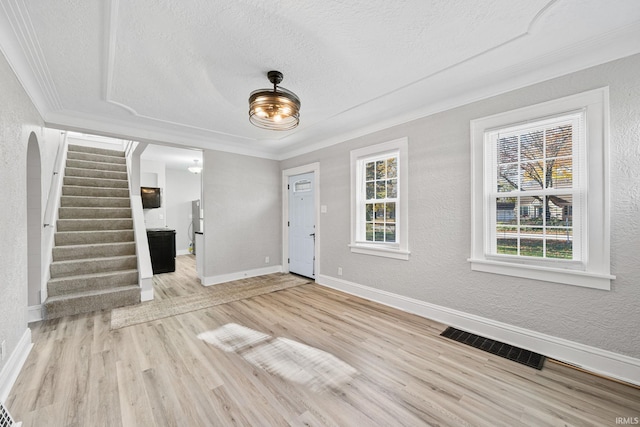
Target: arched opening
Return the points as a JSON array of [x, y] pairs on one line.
[[34, 221]]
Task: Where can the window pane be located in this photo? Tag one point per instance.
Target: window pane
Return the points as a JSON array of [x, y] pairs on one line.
[[378, 212], [559, 173], [507, 240], [506, 210], [381, 170], [532, 146], [507, 177], [371, 190], [378, 229], [536, 233], [559, 141], [531, 210], [560, 243], [390, 233], [371, 171], [507, 150], [392, 188], [390, 212], [381, 189], [369, 212], [392, 167], [560, 210], [531, 176], [369, 232], [531, 245]]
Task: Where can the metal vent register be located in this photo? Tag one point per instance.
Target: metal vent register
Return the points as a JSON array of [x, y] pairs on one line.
[[5, 418]]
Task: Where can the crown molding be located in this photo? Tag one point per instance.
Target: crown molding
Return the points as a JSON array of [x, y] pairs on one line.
[[86, 123], [27, 58]]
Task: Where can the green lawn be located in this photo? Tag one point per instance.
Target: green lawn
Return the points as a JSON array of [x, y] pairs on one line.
[[533, 247]]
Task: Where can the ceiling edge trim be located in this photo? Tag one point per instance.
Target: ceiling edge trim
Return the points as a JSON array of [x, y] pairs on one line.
[[597, 51], [32, 58], [72, 121]]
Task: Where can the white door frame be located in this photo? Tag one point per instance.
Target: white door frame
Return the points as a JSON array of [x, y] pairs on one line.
[[286, 173]]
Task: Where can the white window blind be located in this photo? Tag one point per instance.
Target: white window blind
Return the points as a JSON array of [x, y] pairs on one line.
[[534, 194]]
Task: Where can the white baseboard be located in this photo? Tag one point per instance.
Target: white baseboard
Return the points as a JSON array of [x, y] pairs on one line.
[[34, 313], [592, 359], [146, 288], [222, 278], [14, 364], [183, 252]]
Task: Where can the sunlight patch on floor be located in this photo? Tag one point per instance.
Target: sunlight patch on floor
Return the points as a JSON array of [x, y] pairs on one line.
[[285, 358]]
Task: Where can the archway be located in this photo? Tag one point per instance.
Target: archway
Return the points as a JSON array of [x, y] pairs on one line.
[[34, 221]]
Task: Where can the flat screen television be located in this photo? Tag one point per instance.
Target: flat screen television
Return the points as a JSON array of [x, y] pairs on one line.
[[150, 197]]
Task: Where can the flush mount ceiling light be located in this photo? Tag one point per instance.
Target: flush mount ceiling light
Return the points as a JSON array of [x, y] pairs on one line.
[[277, 109], [195, 168]]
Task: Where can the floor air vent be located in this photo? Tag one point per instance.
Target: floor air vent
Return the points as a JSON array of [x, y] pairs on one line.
[[5, 418], [525, 357]]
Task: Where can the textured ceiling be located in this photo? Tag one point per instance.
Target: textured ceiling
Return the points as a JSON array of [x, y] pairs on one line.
[[181, 72]]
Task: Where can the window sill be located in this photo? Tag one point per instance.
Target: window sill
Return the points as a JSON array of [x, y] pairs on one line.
[[380, 251], [547, 274]]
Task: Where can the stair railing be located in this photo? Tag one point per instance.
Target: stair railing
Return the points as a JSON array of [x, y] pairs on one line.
[[50, 216]]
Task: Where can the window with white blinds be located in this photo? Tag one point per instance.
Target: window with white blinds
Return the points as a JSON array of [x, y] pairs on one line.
[[540, 202], [535, 193]]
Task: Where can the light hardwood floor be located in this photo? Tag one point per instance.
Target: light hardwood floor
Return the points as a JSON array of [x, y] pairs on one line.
[[80, 373]]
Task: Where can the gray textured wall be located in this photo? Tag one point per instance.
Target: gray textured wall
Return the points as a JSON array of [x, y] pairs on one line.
[[18, 118], [242, 213], [439, 210]]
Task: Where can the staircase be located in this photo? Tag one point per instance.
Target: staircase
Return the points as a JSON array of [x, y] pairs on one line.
[[94, 258]]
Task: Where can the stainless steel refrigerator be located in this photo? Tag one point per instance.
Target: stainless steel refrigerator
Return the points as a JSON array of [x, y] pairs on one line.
[[196, 223]]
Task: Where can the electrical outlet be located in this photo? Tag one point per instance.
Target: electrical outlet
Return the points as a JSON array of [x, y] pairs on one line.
[[266, 260], [339, 271]]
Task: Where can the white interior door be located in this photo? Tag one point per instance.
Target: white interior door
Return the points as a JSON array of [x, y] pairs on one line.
[[302, 225]]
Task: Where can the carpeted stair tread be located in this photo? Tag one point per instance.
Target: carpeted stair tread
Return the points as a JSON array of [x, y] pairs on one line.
[[95, 173], [65, 238], [94, 202], [93, 157], [85, 282], [93, 275], [92, 293], [74, 267], [84, 212], [88, 164], [94, 300], [95, 150], [94, 224], [88, 191], [82, 181], [93, 250]]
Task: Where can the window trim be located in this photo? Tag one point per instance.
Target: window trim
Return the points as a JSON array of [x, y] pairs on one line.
[[398, 250], [594, 270]]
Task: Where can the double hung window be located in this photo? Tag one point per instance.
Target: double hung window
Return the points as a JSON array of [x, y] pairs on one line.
[[379, 213], [540, 204], [536, 189]]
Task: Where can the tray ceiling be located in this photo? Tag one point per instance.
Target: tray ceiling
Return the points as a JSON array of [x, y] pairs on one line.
[[181, 73]]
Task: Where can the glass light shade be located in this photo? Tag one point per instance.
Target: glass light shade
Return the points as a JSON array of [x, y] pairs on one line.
[[195, 168], [274, 109]]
